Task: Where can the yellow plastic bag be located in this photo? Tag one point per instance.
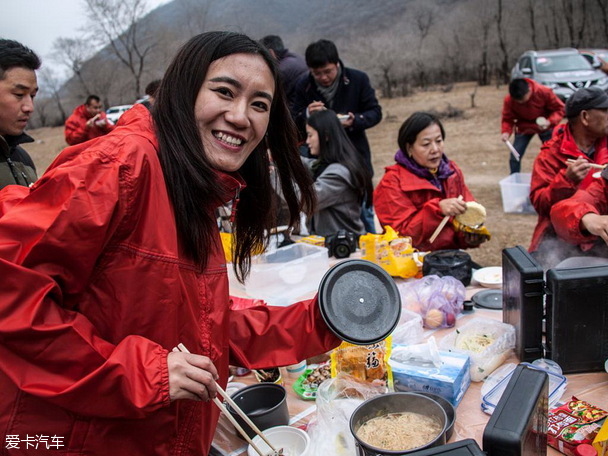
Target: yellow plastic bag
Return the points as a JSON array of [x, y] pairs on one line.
[[393, 253], [368, 363]]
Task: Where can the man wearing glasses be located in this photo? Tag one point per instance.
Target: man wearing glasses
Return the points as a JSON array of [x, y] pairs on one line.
[[88, 121]]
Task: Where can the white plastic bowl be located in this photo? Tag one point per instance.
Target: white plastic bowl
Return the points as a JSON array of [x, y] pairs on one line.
[[489, 277], [294, 441]]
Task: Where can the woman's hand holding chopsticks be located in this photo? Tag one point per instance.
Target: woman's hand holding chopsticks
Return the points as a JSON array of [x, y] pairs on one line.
[[191, 376]]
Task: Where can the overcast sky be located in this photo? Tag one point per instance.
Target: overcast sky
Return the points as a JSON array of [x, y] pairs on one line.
[[37, 23]]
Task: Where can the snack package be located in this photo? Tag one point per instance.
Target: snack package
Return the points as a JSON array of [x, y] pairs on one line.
[[600, 443], [573, 424], [368, 363], [438, 300], [392, 253]]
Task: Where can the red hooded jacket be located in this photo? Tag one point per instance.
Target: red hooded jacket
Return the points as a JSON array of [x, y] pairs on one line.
[[96, 291], [522, 116], [76, 130], [410, 205], [567, 214], [549, 183]]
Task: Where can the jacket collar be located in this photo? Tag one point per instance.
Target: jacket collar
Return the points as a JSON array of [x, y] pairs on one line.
[[569, 147]]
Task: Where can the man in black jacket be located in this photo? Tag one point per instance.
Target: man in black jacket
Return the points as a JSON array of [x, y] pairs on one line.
[[18, 87], [330, 85]]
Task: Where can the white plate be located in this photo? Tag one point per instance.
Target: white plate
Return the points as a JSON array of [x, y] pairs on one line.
[[489, 277]]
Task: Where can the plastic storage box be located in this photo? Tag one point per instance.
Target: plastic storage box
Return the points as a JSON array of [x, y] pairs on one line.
[[557, 386], [518, 426], [515, 191], [523, 300], [285, 275]]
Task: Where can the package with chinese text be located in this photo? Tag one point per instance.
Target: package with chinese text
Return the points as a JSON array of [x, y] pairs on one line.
[[572, 424], [368, 363]]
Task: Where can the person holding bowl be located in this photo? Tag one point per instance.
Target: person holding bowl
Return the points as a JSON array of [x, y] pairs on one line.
[[423, 187]]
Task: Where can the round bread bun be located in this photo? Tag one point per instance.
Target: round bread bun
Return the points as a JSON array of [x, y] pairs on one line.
[[474, 216]]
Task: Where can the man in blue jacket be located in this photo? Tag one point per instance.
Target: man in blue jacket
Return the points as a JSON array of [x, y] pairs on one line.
[[330, 85]]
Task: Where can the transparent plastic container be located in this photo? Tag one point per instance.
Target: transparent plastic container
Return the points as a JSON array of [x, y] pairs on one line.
[[557, 386], [515, 192], [285, 275]]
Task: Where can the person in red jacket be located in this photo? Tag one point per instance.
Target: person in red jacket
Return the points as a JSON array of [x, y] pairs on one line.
[[529, 109], [564, 165], [88, 121], [582, 220], [423, 187], [123, 261]]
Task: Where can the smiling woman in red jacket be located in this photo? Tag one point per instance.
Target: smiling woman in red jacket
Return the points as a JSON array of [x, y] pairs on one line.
[[423, 187], [113, 258]]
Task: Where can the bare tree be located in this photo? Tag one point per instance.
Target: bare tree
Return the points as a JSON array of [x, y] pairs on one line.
[[532, 23], [604, 8], [195, 15], [424, 18], [52, 87], [116, 23], [575, 31], [73, 53], [502, 43]]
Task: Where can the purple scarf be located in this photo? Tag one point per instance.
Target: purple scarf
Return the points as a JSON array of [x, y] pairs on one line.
[[443, 172]]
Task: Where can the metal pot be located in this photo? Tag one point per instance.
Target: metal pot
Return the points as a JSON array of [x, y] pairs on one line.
[[265, 404], [396, 403]]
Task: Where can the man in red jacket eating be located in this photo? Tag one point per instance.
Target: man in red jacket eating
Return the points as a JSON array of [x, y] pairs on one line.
[[88, 121]]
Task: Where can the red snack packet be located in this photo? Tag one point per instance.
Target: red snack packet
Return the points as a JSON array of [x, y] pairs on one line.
[[573, 424]]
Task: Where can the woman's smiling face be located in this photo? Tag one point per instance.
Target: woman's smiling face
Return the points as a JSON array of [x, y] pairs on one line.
[[428, 147], [232, 109]]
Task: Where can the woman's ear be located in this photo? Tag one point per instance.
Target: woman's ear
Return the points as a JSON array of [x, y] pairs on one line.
[[408, 150]]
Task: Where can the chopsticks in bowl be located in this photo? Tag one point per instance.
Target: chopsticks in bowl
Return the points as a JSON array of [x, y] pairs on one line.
[[181, 347]]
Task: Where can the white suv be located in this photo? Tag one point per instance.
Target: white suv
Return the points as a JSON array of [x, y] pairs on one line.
[[115, 112], [563, 70]]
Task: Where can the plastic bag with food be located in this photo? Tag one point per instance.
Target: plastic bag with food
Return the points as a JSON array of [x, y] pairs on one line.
[[336, 401], [368, 363], [438, 300], [488, 342], [392, 253]]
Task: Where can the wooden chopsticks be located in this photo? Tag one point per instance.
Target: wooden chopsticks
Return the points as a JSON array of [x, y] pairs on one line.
[[181, 347], [441, 225], [592, 165]]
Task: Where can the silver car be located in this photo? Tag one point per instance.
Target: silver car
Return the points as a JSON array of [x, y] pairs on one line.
[[563, 70]]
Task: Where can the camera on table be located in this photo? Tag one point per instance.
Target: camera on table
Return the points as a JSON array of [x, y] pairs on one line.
[[341, 244]]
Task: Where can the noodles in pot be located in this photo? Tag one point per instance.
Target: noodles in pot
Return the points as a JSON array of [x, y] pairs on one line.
[[399, 431]]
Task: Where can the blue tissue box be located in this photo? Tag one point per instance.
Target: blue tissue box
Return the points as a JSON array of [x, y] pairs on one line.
[[449, 381]]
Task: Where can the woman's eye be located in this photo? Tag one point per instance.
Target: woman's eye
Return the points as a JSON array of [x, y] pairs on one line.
[[223, 91], [261, 105]]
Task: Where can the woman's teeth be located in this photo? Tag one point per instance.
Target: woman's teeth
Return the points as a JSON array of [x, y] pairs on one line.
[[228, 139]]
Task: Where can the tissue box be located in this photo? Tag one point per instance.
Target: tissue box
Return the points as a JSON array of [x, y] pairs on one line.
[[449, 381]]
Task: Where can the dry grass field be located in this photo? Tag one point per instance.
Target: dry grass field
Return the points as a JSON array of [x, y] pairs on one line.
[[473, 142]]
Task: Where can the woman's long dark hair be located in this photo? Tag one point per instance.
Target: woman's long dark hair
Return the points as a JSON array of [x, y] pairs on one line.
[[193, 185], [336, 147]]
